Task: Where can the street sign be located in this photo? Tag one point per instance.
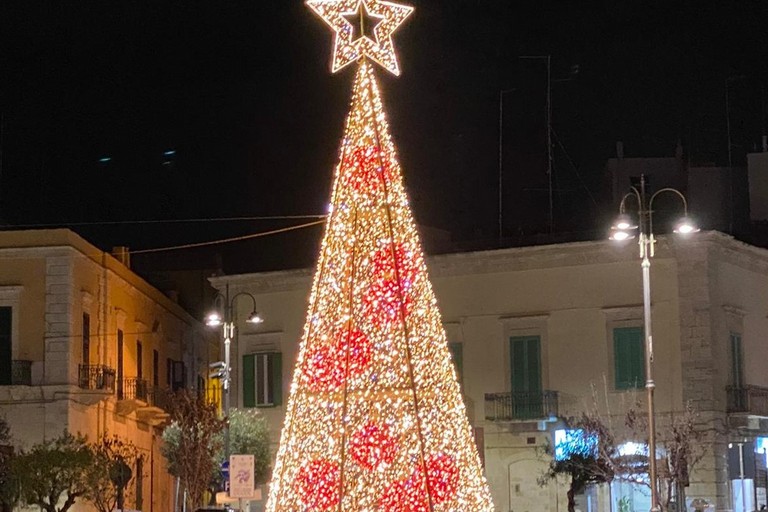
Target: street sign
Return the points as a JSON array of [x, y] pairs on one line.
[[225, 475], [241, 479], [218, 370]]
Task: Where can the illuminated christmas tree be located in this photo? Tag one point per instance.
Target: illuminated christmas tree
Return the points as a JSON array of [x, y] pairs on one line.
[[375, 419]]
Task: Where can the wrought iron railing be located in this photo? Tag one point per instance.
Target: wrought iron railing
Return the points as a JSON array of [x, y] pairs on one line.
[[21, 373], [96, 377], [133, 388], [748, 399], [161, 398], [516, 406]]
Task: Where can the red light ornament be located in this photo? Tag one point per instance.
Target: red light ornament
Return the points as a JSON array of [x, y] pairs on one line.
[[317, 484], [373, 446], [330, 365]]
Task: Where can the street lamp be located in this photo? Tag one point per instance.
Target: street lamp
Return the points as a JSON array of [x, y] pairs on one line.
[[623, 229], [222, 316]]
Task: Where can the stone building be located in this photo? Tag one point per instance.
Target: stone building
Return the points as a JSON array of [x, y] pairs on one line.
[[535, 330], [88, 346]]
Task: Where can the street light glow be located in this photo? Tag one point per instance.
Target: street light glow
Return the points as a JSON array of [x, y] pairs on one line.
[[620, 236], [254, 318], [213, 319], [686, 226]]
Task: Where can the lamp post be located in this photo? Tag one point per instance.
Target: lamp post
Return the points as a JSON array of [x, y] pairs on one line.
[[623, 229], [222, 316]]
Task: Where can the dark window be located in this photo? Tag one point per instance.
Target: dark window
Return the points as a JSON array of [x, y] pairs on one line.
[[86, 338], [169, 372], [629, 357], [6, 352], [155, 368], [139, 360], [737, 361], [179, 375], [262, 379], [119, 363]]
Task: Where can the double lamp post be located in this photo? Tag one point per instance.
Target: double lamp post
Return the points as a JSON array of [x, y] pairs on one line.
[[624, 228], [223, 316]]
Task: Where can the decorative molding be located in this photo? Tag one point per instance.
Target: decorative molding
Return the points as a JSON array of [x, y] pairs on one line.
[[86, 298], [620, 313], [260, 342], [734, 311], [517, 322], [10, 293]]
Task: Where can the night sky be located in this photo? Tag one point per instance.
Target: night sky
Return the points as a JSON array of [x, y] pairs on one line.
[[241, 91]]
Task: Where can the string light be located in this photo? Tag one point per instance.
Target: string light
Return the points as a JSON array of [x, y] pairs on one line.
[[375, 420]]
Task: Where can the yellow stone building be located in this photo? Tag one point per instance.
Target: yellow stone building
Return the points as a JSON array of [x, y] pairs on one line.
[[88, 346]]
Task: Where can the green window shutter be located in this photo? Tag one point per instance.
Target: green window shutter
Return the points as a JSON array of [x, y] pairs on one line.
[[737, 361], [629, 357], [5, 346], [525, 354], [249, 386], [276, 362], [457, 356]]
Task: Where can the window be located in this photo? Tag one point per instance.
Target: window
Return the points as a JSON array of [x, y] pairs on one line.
[[139, 360], [737, 361], [86, 339], [169, 372], [6, 353], [120, 364], [179, 375], [262, 379], [525, 362], [155, 368], [457, 356], [629, 357]]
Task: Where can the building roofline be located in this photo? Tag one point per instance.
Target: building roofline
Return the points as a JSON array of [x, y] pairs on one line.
[[65, 238]]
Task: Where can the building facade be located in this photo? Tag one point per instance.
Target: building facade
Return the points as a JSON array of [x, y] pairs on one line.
[[542, 333], [88, 346]]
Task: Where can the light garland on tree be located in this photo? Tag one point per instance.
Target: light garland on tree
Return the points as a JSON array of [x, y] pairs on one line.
[[375, 420]]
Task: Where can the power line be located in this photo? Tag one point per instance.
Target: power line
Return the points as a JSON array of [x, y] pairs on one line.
[[227, 240], [167, 221]]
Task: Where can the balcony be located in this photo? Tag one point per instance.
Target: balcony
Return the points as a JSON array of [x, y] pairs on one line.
[[133, 388], [155, 406], [749, 400], [21, 373], [96, 377], [520, 407]]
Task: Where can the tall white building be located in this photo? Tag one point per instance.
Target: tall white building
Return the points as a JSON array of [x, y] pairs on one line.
[[535, 330]]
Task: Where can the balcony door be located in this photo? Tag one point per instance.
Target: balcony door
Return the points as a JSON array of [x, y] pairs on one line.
[[6, 370], [525, 363], [119, 364]]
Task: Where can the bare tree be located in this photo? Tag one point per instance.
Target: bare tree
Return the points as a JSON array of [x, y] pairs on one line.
[[191, 442], [595, 456], [113, 467], [680, 441]]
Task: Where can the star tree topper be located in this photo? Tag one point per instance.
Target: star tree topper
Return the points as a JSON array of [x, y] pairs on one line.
[[363, 28]]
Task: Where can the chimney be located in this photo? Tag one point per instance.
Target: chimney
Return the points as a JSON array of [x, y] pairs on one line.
[[619, 149], [122, 254]]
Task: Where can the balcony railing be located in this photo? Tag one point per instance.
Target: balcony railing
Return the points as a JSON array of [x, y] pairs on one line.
[[96, 377], [748, 399], [21, 373], [133, 388], [161, 398], [516, 406]]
